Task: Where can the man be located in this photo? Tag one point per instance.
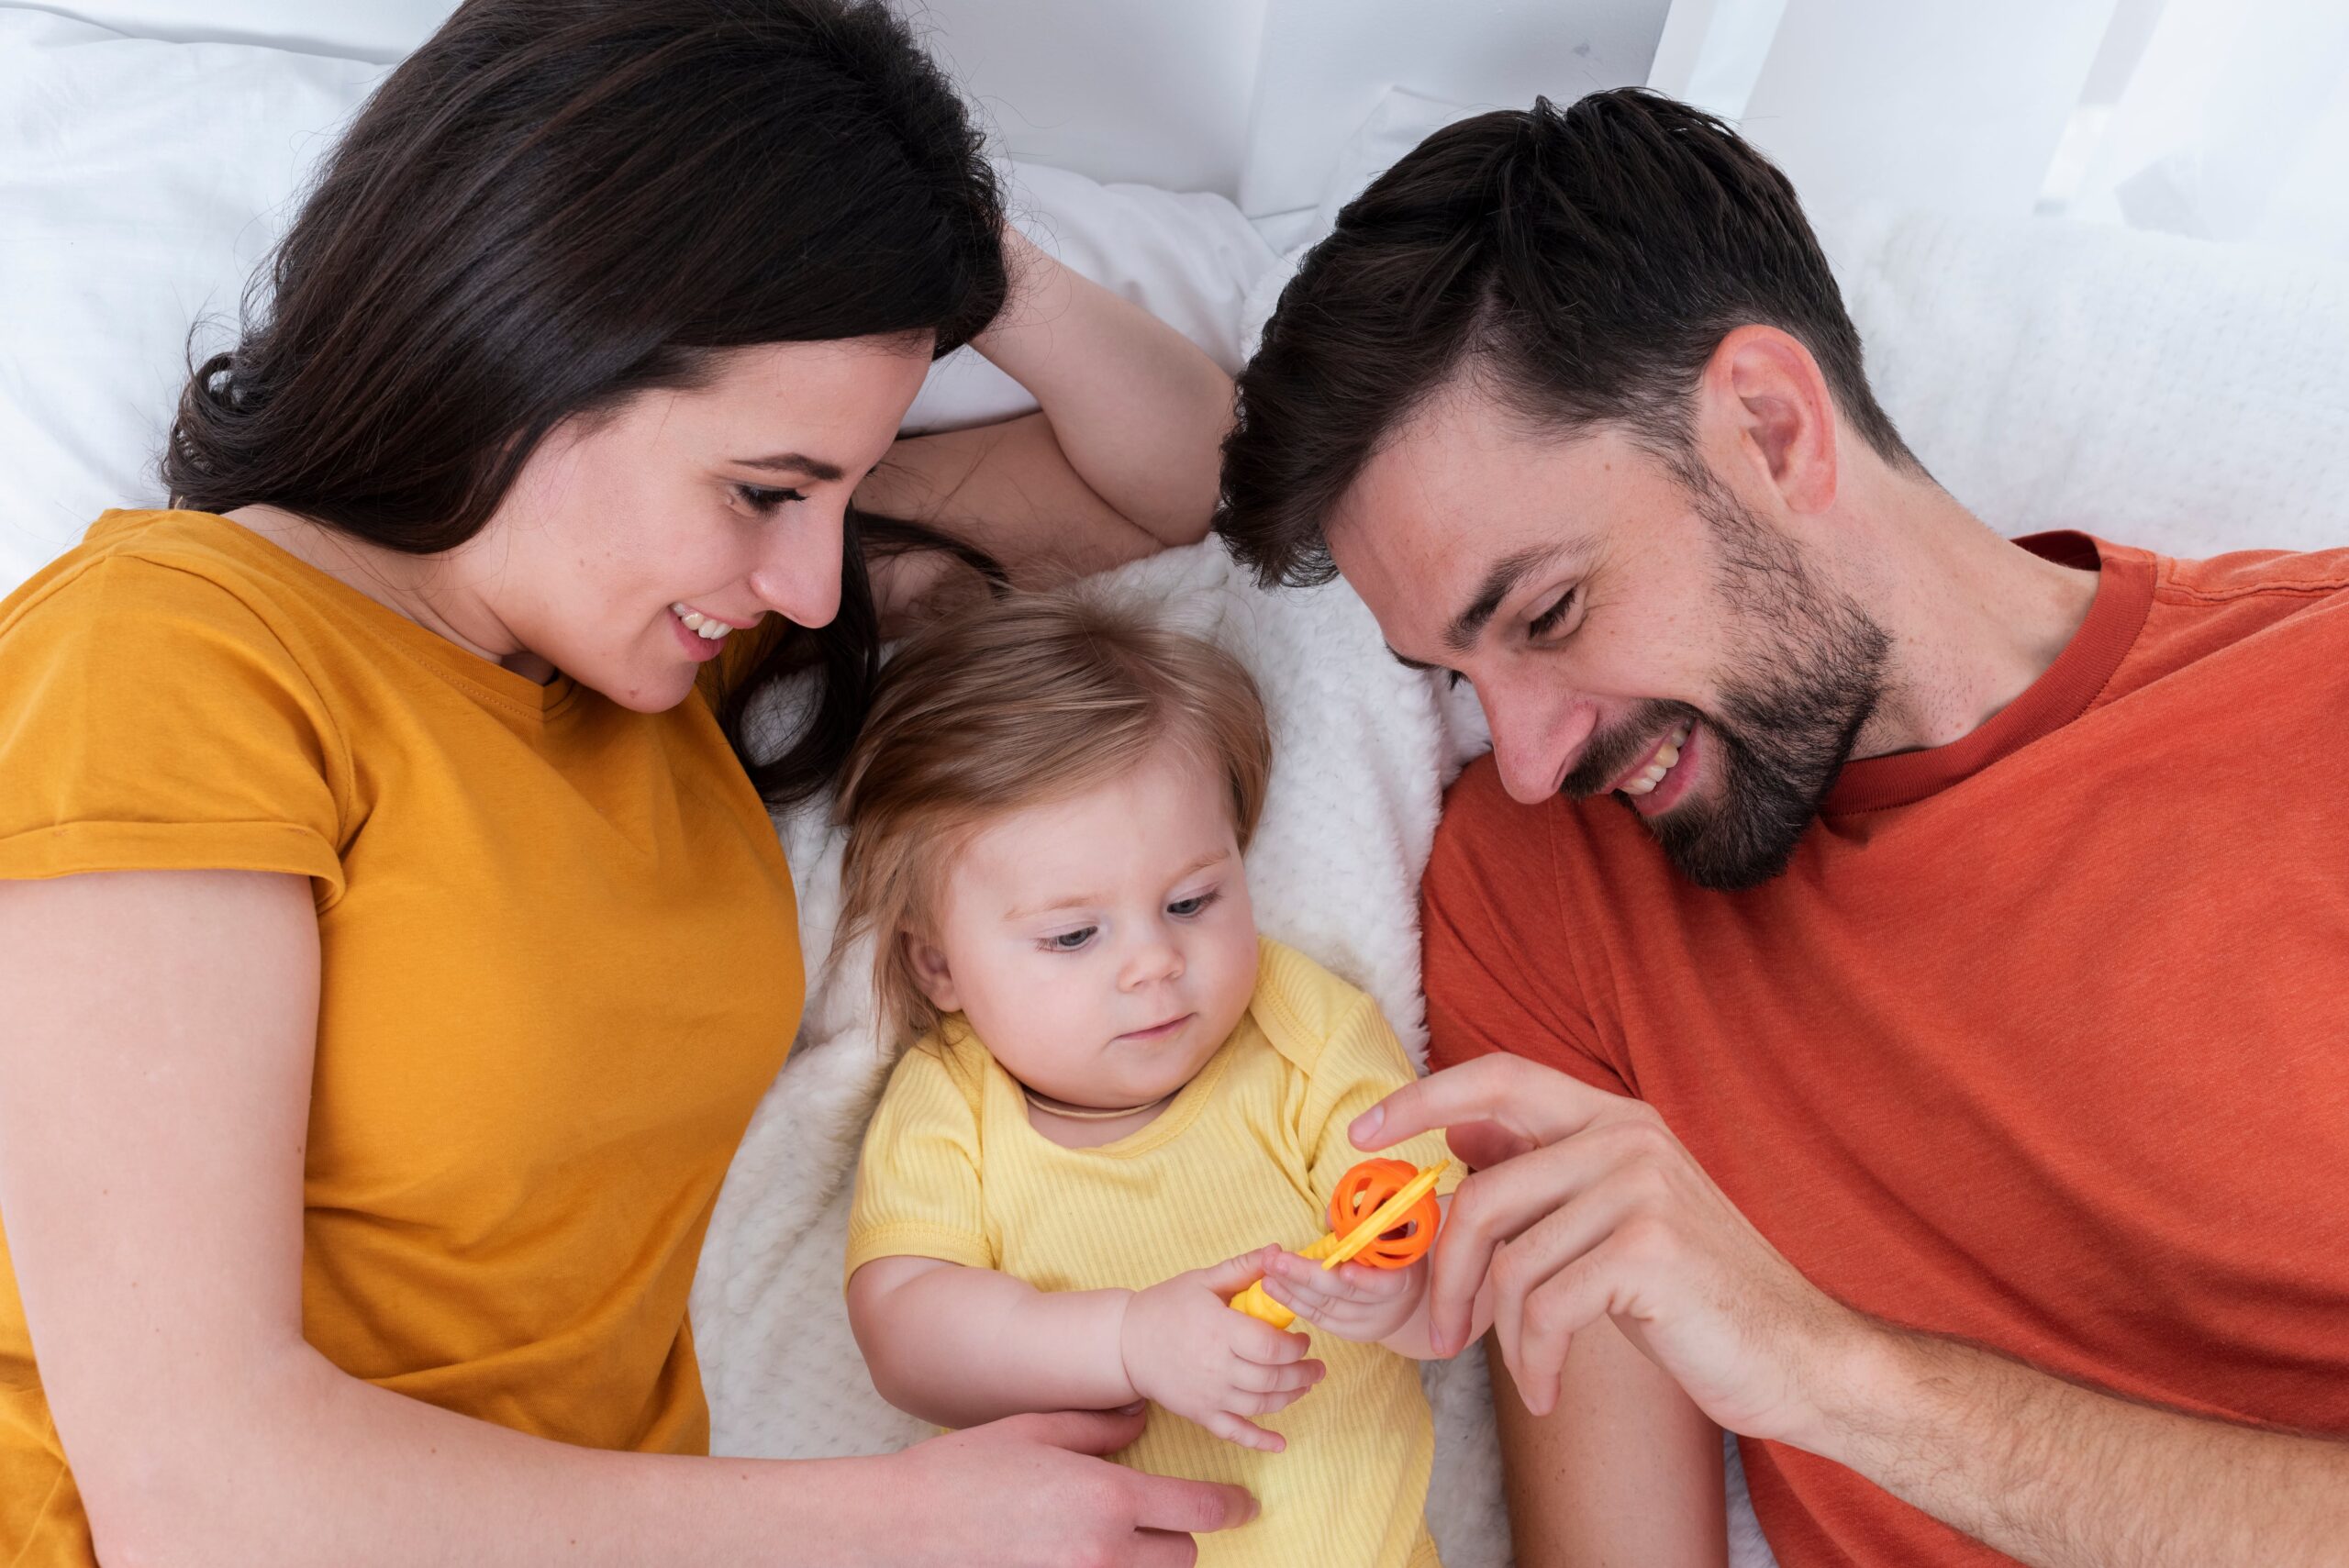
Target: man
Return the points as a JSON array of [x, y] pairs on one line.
[[1902, 968]]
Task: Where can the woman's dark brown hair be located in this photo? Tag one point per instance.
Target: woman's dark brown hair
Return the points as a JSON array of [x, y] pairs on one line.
[[555, 204], [1584, 263]]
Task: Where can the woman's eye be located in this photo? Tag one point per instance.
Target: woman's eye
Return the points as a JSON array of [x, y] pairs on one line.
[[1185, 907], [1068, 941], [762, 499], [1549, 620]]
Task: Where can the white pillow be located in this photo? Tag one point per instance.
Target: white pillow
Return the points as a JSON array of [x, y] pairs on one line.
[[142, 182]]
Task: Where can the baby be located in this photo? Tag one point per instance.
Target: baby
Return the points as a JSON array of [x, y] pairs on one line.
[[1124, 1102]]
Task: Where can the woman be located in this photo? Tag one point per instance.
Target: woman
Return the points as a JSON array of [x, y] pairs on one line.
[[394, 942]]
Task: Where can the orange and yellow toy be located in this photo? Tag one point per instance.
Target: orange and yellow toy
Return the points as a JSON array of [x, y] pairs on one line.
[[1383, 1213]]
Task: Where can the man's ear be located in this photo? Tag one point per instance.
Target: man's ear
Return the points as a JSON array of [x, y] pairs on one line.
[[1780, 411], [928, 960]]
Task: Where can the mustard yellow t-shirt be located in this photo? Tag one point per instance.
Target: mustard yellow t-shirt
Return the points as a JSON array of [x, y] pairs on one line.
[[1248, 1153], [558, 965]]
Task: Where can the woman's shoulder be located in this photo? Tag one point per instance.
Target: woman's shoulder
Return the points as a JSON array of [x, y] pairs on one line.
[[141, 573]]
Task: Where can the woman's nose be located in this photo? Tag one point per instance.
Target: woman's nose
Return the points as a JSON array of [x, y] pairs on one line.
[[799, 576]]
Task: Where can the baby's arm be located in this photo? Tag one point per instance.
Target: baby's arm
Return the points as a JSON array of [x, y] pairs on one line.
[[961, 1345]]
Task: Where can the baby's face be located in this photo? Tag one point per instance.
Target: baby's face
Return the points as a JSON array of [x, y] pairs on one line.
[[1102, 945]]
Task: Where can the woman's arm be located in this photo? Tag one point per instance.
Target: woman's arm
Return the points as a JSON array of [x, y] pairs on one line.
[[1624, 1470], [1120, 460], [155, 1057]]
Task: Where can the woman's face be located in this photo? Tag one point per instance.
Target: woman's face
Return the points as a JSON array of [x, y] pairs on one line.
[[630, 536]]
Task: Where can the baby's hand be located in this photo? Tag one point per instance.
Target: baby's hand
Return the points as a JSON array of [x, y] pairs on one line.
[[1352, 1301], [1187, 1350]]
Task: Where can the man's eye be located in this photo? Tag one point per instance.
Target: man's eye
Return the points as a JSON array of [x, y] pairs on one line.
[[1548, 621], [762, 499]]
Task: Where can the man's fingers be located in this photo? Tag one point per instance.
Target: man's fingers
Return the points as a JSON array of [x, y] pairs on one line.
[[1539, 1104], [1554, 1311], [1478, 1144], [1192, 1507], [1496, 1205]]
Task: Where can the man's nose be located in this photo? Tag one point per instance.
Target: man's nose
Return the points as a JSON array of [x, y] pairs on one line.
[[1538, 735], [799, 575]]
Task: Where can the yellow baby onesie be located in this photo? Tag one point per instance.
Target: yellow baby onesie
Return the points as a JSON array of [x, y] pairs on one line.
[[1247, 1154]]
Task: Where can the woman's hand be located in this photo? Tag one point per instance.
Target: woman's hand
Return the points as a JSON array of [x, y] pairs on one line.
[[1352, 1301], [1186, 1348], [1025, 1492], [1122, 459]]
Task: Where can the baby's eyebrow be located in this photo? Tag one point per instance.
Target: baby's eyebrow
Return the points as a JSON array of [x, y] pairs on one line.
[[1029, 912]]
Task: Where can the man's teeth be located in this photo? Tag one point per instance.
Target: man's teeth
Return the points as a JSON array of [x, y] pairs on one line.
[[1653, 774], [700, 625]]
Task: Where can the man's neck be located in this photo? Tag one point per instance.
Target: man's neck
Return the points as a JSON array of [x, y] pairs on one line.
[[1974, 619]]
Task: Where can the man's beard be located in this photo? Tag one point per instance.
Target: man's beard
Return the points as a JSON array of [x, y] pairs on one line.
[[1811, 668]]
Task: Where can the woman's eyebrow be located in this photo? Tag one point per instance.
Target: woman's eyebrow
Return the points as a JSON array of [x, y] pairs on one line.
[[814, 468]]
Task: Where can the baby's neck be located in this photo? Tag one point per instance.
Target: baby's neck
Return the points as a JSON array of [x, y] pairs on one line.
[[1088, 1131]]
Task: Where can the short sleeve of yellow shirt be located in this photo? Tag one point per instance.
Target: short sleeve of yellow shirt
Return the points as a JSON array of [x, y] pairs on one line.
[[557, 966], [1248, 1153], [152, 721]]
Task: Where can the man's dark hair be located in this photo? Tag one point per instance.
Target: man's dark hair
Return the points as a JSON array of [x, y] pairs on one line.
[[1584, 263]]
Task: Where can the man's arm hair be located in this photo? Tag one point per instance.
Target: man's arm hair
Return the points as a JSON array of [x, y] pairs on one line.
[[2064, 1476]]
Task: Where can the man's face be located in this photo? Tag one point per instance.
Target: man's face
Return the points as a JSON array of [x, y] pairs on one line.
[[1626, 630]]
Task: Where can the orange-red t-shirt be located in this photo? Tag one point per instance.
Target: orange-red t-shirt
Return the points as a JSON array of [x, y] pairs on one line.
[[2043, 1040]]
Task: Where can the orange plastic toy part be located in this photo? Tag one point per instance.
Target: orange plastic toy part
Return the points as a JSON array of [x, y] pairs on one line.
[[1358, 1195], [1373, 1202]]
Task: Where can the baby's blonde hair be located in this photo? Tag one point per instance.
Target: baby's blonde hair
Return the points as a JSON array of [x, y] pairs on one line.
[[1017, 703]]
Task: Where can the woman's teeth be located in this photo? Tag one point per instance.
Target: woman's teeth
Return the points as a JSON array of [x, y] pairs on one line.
[[1653, 774], [700, 625]]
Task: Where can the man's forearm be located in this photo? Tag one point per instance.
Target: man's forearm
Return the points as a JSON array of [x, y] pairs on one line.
[[2059, 1476]]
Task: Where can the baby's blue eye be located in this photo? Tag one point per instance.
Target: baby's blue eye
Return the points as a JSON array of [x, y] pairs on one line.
[[1069, 942], [1185, 907]]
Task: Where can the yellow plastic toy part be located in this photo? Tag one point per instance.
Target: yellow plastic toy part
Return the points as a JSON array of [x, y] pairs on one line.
[[1333, 1249]]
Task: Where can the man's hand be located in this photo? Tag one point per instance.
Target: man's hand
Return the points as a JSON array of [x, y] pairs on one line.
[[1185, 1348], [1588, 1207]]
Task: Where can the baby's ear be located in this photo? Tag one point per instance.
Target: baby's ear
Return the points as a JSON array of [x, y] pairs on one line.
[[928, 960]]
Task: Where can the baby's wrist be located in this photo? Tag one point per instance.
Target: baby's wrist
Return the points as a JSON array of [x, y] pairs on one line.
[[1128, 1374]]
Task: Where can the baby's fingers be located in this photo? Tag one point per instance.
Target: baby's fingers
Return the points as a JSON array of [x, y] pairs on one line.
[[1254, 1377], [1247, 1434]]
